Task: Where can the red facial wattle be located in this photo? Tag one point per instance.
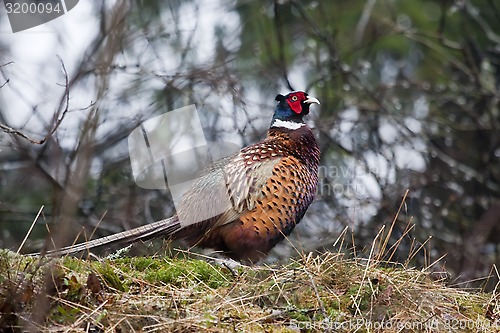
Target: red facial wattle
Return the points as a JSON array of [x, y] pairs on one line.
[[295, 102]]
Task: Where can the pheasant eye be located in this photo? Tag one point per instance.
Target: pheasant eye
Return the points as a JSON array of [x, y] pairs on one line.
[[294, 98]]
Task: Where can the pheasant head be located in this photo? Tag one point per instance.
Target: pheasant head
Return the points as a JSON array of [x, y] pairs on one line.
[[291, 109]]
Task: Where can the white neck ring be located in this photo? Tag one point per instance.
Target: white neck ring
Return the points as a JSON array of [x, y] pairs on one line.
[[292, 125]]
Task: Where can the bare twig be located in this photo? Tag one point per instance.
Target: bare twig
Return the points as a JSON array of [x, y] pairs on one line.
[[281, 44], [58, 120], [363, 20]]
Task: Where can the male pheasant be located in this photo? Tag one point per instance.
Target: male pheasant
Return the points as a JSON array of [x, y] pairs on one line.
[[269, 185]]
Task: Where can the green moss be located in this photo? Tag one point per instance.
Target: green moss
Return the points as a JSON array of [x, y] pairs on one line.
[[64, 314], [301, 315], [120, 273], [75, 265], [360, 297], [74, 289], [111, 277], [145, 263], [186, 273]]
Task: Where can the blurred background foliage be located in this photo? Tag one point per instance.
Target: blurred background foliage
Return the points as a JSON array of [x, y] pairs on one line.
[[409, 95]]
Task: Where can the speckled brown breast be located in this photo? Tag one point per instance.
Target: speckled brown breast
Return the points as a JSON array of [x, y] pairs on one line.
[[285, 198]]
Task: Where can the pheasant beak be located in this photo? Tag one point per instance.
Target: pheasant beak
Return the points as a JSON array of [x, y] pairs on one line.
[[311, 100]]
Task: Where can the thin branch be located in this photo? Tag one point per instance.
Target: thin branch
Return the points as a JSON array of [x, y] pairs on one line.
[[3, 74], [281, 44], [59, 120], [363, 20], [5, 83]]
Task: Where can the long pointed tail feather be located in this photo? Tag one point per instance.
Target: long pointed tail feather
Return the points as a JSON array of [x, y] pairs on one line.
[[153, 230]]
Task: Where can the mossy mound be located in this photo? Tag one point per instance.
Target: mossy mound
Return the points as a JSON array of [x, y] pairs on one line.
[[157, 294]]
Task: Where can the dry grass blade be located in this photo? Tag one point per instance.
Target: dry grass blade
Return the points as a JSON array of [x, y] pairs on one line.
[[30, 229], [382, 249]]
